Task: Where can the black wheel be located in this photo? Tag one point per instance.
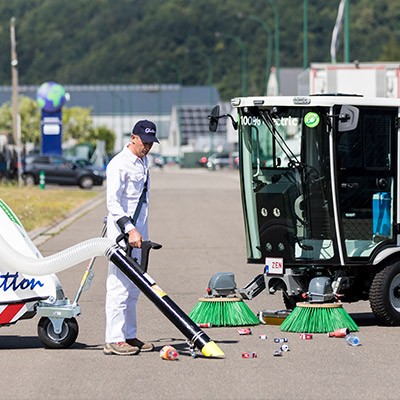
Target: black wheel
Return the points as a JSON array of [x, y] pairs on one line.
[[290, 301], [384, 295], [86, 182], [62, 340]]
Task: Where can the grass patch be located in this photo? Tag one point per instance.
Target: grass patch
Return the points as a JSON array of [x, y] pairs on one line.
[[37, 208]]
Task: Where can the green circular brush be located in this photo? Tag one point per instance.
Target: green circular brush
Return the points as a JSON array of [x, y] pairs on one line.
[[318, 318], [223, 311]]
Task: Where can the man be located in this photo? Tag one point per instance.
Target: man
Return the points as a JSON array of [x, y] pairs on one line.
[[127, 193]]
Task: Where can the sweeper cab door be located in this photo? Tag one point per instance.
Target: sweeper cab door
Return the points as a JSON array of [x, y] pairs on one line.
[[286, 186], [366, 163], [319, 182]]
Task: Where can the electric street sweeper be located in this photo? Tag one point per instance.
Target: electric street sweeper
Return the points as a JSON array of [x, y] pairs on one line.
[[29, 286], [320, 187]]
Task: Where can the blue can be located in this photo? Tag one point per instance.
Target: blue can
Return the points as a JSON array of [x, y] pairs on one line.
[[280, 340]]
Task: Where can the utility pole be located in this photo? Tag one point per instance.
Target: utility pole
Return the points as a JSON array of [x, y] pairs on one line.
[[14, 79], [15, 113]]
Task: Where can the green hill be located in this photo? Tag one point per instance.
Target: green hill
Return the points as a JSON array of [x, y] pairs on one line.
[[172, 41]]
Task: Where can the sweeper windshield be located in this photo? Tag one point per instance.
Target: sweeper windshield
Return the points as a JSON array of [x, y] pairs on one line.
[[317, 179]]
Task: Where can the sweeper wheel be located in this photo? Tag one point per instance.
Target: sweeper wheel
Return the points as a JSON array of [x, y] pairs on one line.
[[384, 295], [62, 340]]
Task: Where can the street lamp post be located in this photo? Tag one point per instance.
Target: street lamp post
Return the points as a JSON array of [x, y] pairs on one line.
[[210, 84], [269, 47], [305, 34], [176, 68], [157, 88], [16, 118], [114, 95], [346, 32], [210, 72], [276, 37], [243, 48]]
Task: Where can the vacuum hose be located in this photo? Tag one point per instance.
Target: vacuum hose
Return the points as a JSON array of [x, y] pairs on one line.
[[15, 261]]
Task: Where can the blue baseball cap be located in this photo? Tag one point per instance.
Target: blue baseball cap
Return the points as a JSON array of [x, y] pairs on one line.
[[146, 130]]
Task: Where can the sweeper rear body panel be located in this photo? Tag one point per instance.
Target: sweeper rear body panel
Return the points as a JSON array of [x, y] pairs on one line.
[[320, 193]]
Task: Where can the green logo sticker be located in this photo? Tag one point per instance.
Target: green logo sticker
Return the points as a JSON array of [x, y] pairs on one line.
[[311, 119]]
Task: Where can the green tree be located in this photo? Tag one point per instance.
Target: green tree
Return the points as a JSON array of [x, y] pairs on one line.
[[105, 134], [77, 124], [30, 120], [391, 50], [6, 120]]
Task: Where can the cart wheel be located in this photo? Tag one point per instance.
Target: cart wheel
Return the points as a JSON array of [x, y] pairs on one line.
[[62, 340], [384, 295]]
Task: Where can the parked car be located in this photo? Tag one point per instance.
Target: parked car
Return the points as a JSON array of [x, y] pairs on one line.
[[84, 163], [172, 160], [60, 170], [235, 158], [218, 161], [156, 160]]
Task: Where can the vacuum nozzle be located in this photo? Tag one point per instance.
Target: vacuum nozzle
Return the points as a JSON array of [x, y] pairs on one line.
[[211, 349]]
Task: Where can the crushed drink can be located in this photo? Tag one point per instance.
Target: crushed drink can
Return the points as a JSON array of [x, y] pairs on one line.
[[263, 336], [284, 347], [280, 340], [277, 353], [205, 325], [306, 336], [244, 331], [251, 354]]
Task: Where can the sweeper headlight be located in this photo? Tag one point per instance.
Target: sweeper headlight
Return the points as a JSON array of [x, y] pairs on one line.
[[222, 284]]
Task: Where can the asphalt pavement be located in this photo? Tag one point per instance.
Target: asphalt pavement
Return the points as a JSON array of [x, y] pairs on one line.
[[196, 215]]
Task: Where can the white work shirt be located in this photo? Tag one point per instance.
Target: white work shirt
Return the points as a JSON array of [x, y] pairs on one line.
[[126, 176]]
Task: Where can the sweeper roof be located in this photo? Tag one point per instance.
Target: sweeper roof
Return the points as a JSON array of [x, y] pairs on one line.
[[315, 100]]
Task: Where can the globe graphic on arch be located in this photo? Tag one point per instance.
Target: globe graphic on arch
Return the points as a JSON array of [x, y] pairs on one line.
[[51, 97]]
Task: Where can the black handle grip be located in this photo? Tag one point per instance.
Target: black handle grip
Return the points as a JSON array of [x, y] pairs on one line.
[[147, 245]]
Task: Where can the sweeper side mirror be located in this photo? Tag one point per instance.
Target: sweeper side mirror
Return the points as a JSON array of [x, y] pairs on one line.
[[348, 118], [214, 117]]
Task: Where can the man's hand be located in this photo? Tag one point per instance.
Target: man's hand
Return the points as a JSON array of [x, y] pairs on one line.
[[135, 239]]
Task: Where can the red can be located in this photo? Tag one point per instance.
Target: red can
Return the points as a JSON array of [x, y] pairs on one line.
[[251, 354], [306, 336], [263, 336], [205, 325], [244, 331]]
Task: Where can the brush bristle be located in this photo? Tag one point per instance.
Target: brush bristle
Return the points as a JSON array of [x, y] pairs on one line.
[[318, 320], [223, 313]]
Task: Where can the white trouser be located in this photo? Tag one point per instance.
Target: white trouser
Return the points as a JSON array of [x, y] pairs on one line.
[[121, 299], [122, 295]]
